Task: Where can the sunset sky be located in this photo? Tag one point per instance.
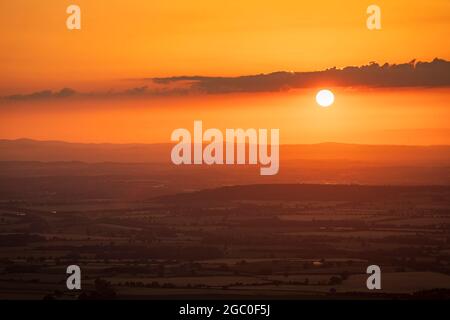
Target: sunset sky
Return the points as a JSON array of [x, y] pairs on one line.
[[123, 44]]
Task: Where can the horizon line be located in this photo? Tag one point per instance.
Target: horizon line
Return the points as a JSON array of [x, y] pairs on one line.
[[172, 143]]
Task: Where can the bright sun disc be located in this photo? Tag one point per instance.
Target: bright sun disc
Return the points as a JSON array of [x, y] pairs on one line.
[[325, 98]]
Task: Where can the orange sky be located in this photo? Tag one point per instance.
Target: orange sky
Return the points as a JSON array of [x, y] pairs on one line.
[[139, 38], [366, 116]]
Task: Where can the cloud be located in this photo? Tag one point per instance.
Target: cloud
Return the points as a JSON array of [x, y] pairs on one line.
[[412, 74], [44, 94], [141, 91]]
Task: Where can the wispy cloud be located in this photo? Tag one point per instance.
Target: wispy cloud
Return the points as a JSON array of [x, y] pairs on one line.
[[44, 94], [140, 91]]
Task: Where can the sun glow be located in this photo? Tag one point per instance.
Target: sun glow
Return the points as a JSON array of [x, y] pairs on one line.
[[325, 98]]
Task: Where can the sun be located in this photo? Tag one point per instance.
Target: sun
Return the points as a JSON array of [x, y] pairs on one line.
[[325, 98]]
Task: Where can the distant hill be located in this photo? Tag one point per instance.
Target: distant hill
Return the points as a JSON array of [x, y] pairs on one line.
[[309, 192], [51, 151]]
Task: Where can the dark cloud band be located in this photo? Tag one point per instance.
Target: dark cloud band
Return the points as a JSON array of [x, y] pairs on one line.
[[412, 74]]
